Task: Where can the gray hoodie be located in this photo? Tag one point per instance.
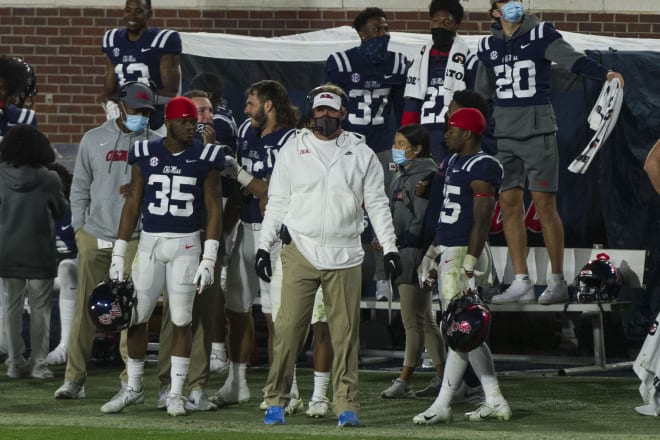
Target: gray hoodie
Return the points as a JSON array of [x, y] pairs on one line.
[[30, 198], [101, 168]]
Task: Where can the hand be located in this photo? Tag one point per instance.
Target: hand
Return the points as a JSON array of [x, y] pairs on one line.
[[204, 275], [375, 245], [611, 75], [422, 188], [263, 266], [467, 282], [208, 133], [392, 265], [116, 268], [123, 189], [231, 168], [425, 268]]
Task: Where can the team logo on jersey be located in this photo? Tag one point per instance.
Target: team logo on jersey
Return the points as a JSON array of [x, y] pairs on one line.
[[116, 51], [355, 77], [153, 161], [494, 55]]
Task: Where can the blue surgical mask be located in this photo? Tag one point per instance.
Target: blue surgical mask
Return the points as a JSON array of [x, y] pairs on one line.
[[136, 123], [375, 49], [399, 156], [513, 11]]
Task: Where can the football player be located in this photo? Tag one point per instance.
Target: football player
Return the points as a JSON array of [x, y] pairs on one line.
[[472, 179], [173, 182], [18, 84], [443, 66], [100, 173], [271, 121], [140, 53], [223, 119], [514, 70], [374, 80]]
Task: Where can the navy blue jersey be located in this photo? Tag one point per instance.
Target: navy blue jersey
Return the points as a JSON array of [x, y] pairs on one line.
[[12, 115], [257, 156], [140, 60], [375, 94], [522, 72], [225, 125], [173, 200], [456, 215]]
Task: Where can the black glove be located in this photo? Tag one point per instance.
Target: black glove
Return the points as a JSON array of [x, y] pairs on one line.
[[262, 265], [392, 265]]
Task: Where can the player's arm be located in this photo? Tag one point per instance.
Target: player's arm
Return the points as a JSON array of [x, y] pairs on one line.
[[109, 83], [412, 111], [652, 166], [130, 213], [483, 203], [170, 75], [213, 205]]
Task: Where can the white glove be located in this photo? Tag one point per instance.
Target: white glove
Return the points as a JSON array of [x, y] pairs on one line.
[[204, 275], [111, 110], [428, 263], [117, 263], [231, 168], [467, 281]]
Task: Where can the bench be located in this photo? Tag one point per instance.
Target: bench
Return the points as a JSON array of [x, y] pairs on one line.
[[630, 262]]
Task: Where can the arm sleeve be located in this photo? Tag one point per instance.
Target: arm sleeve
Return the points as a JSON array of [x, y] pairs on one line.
[[564, 54], [484, 83], [279, 194], [411, 111], [80, 187]]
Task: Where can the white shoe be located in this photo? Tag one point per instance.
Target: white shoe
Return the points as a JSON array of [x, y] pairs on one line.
[[382, 290], [175, 405], [57, 356], [41, 371], [555, 293], [231, 393], [485, 411], [70, 390], [467, 394], [400, 389], [217, 365], [125, 396], [18, 367], [161, 403], [520, 291], [432, 416], [199, 401], [651, 409], [318, 408], [295, 404], [263, 406]]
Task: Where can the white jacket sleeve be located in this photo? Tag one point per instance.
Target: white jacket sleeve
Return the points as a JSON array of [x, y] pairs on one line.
[[377, 205], [279, 194]]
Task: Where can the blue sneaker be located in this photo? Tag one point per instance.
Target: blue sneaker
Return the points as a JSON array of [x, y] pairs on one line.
[[275, 415], [348, 419]]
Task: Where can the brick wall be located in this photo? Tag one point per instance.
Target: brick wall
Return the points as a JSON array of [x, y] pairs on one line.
[[63, 45]]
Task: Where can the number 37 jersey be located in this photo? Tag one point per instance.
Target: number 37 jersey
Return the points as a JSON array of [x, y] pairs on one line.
[[457, 214], [173, 192]]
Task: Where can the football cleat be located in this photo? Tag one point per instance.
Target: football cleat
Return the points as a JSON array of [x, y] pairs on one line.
[[501, 411], [41, 371], [433, 416], [217, 365], [162, 398], [318, 408], [231, 393], [125, 396], [57, 356], [198, 401], [295, 405], [70, 390], [175, 405]]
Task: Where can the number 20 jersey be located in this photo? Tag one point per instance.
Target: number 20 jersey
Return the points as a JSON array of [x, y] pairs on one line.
[[173, 192], [457, 214], [140, 60]]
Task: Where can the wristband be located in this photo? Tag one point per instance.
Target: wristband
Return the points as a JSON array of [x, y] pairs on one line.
[[211, 250], [243, 177], [469, 262], [120, 247]]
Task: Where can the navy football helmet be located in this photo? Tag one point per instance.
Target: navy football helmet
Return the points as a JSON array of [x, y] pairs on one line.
[[465, 323], [30, 89], [599, 280], [111, 305]]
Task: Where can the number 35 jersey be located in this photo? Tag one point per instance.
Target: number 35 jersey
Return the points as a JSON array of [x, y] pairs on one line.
[[457, 215], [140, 60], [173, 191]]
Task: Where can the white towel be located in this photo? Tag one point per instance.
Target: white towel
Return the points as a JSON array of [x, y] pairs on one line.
[[459, 58], [647, 365]]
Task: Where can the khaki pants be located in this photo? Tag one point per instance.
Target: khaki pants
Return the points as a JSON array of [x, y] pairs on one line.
[[341, 295], [93, 265], [420, 325]]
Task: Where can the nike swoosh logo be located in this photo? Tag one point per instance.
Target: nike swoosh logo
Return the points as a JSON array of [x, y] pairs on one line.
[[188, 246], [387, 76], [103, 144], [190, 161], [524, 46], [427, 418], [145, 49], [449, 261], [64, 228]]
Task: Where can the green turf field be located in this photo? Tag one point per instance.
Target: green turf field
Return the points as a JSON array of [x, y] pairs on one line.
[[543, 407]]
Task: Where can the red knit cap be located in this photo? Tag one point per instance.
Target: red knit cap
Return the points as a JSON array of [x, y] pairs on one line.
[[181, 107], [468, 118]]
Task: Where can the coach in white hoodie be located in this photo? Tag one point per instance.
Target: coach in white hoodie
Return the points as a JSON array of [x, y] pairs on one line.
[[321, 180]]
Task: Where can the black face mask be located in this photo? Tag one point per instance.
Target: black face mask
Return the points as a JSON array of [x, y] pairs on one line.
[[326, 125], [442, 38]]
